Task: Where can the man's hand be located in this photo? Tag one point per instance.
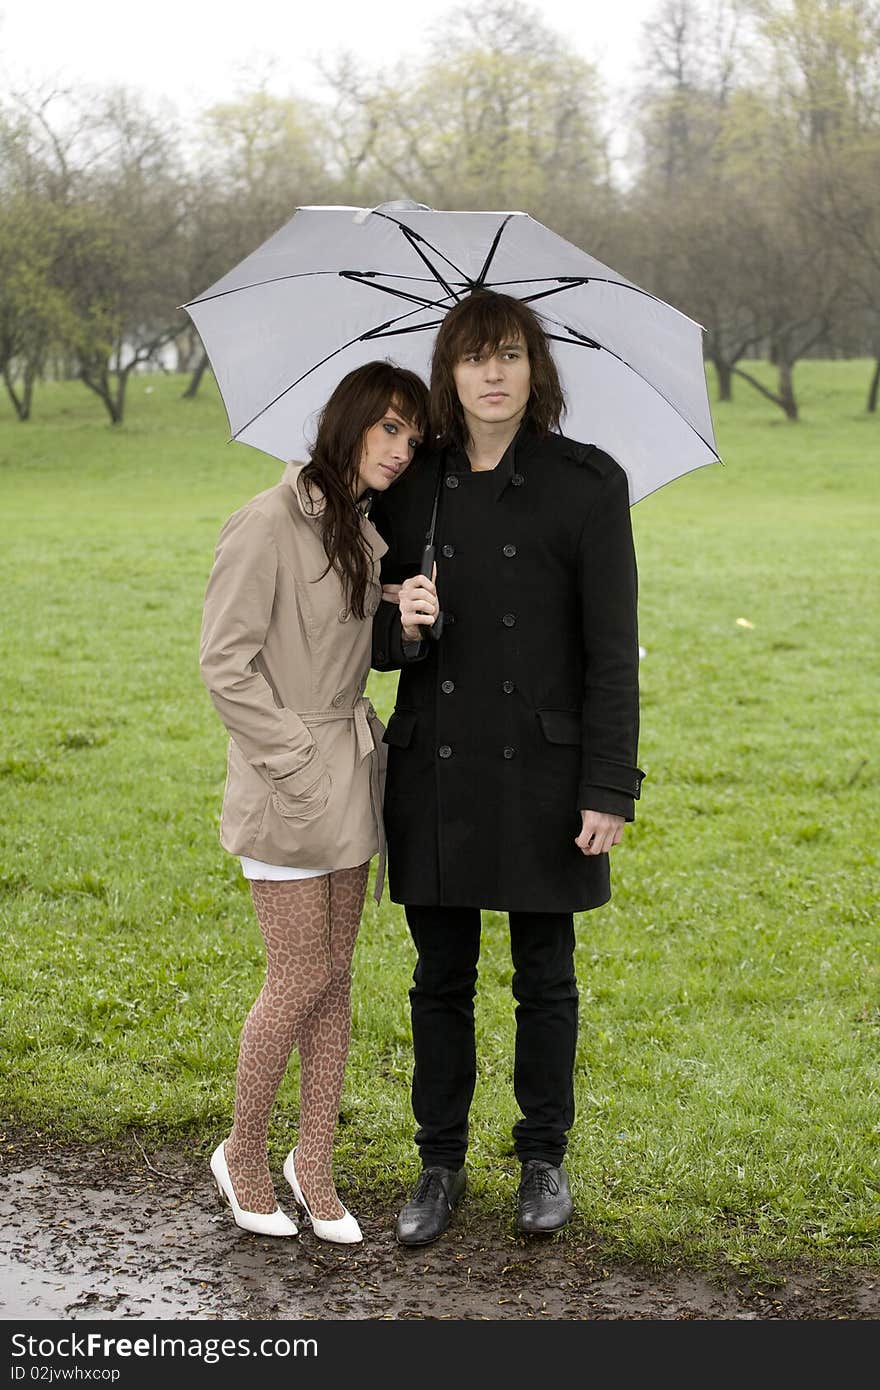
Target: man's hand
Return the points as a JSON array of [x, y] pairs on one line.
[[419, 604], [599, 831]]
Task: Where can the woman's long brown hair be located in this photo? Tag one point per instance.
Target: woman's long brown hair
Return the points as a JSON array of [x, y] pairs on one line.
[[361, 398], [486, 320]]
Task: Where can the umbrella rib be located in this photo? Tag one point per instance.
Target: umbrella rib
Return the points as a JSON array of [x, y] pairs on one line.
[[581, 340], [433, 269], [481, 278], [412, 237], [557, 289], [313, 368], [304, 275], [572, 282], [362, 278], [385, 332], [379, 331]]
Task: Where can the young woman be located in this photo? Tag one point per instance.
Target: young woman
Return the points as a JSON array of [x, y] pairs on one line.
[[285, 654]]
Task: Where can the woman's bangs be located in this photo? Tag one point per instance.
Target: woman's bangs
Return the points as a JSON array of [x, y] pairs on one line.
[[410, 406]]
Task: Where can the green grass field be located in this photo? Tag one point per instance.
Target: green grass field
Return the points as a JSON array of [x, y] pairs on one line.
[[729, 1050]]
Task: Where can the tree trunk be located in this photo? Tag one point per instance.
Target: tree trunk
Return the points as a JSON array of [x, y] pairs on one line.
[[195, 380], [724, 373], [786, 389], [183, 353], [33, 367], [874, 388], [114, 404], [121, 384], [18, 403], [31, 371], [771, 395]]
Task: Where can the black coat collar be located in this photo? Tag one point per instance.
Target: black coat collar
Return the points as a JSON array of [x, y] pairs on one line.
[[511, 469]]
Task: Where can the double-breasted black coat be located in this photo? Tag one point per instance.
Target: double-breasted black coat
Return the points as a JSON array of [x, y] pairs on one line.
[[525, 709]]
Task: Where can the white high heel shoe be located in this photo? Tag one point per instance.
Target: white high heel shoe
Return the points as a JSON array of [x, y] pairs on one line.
[[344, 1231], [262, 1223]]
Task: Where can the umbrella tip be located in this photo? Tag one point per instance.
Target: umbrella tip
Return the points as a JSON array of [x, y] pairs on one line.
[[402, 205]]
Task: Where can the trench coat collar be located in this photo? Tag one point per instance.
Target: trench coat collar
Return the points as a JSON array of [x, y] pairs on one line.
[[309, 500], [512, 469], [311, 503]]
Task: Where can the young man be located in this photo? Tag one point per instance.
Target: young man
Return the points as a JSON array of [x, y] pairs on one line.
[[512, 746]]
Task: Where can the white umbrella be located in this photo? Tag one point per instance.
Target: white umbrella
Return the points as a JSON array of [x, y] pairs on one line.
[[339, 286]]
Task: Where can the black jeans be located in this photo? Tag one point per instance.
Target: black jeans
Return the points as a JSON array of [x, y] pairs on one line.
[[444, 1053]]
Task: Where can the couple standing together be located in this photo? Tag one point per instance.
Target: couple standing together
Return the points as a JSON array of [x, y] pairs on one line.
[[511, 751]]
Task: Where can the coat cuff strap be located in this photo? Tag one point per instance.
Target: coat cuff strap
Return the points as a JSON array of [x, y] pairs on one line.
[[617, 777]]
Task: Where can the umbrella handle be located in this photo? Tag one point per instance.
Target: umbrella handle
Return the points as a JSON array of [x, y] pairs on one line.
[[410, 649], [427, 567]]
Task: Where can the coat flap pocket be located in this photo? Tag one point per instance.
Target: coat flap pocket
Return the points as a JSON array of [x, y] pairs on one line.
[[561, 725], [302, 803], [400, 728]]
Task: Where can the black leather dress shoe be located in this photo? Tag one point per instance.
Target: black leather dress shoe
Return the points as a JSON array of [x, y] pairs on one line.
[[544, 1199], [429, 1210]]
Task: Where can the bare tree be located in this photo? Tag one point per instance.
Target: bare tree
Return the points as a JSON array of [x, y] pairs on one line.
[[504, 117], [691, 60], [100, 177], [842, 196], [826, 67], [259, 158]]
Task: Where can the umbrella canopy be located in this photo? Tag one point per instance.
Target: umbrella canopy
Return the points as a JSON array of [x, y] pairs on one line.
[[336, 287]]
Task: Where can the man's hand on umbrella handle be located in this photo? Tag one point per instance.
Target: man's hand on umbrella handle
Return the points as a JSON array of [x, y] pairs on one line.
[[599, 831], [419, 605]]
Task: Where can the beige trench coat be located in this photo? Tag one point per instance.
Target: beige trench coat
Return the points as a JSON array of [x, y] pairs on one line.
[[286, 665]]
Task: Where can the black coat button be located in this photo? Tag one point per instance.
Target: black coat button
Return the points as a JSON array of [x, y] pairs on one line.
[[447, 687], [517, 480], [508, 687], [452, 481], [509, 551], [448, 551], [448, 617], [509, 752], [509, 620], [444, 750]]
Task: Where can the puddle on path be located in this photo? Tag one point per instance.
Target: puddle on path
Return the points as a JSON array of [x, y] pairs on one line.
[[90, 1232]]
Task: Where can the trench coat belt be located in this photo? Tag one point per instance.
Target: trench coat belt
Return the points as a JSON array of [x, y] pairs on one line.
[[361, 714]]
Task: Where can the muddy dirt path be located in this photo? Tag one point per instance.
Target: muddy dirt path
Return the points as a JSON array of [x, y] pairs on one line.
[[90, 1232]]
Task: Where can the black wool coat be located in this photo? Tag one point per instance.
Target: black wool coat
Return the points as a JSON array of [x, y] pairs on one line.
[[525, 709]]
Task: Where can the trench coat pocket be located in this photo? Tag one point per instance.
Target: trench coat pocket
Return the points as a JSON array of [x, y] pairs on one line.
[[305, 803], [400, 729], [561, 725]]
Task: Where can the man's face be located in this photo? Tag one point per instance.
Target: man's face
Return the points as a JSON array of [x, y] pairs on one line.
[[493, 385]]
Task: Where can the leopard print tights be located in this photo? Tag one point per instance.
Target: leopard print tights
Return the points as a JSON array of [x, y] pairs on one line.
[[309, 927]]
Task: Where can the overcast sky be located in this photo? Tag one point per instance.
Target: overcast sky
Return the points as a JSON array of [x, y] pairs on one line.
[[195, 52]]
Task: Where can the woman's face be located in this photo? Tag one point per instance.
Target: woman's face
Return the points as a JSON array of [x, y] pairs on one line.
[[388, 450]]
